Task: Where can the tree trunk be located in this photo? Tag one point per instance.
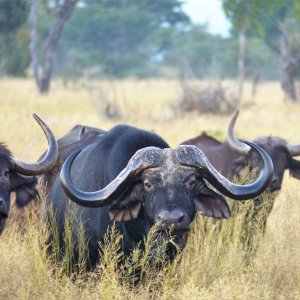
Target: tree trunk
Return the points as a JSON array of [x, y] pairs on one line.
[[32, 46], [64, 14], [241, 62], [287, 69]]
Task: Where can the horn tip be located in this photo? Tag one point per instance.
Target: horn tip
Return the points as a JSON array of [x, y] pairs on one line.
[[235, 113], [36, 117]]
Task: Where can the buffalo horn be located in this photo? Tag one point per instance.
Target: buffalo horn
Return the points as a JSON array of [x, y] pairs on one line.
[[294, 149], [143, 159], [193, 156], [47, 162], [233, 142]]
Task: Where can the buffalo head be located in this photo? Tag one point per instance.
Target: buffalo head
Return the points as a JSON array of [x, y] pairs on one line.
[[280, 151], [19, 177]]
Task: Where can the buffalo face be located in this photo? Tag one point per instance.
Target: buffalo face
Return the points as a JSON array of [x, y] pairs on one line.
[[278, 150], [172, 198], [11, 181], [19, 177], [169, 199], [169, 194]]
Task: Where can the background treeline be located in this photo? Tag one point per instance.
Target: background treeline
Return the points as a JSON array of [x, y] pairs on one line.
[[145, 38], [132, 38]]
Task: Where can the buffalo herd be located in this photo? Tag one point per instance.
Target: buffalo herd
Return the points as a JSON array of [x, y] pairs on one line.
[[132, 178]]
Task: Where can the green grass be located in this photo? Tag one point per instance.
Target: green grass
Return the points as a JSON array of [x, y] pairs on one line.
[[217, 262]]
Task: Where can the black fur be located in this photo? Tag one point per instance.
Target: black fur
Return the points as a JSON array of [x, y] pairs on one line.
[[11, 181]]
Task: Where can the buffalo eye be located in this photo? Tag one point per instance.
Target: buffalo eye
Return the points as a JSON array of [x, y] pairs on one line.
[[147, 185], [6, 173], [282, 158], [190, 182]]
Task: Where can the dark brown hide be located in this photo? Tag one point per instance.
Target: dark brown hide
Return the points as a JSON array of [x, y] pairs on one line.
[[219, 154]]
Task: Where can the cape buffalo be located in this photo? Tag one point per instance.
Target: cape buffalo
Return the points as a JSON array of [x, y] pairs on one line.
[[77, 138], [20, 177], [232, 156], [77, 133], [132, 177]]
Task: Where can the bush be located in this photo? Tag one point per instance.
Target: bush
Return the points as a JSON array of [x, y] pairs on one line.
[[213, 98]]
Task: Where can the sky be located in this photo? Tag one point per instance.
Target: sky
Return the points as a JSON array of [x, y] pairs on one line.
[[208, 12]]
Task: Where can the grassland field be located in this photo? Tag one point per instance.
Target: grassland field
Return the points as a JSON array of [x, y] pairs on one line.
[[214, 264]]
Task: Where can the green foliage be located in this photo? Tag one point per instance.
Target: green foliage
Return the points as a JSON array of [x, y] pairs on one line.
[[199, 54], [144, 38], [14, 37], [120, 36], [264, 19], [14, 52], [251, 14], [13, 14]]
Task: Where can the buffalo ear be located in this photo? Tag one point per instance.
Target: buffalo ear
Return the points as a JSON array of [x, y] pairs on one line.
[[125, 213], [295, 168], [128, 205], [212, 205], [24, 187]]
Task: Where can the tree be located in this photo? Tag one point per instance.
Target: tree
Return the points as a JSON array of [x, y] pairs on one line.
[[121, 37], [13, 14], [15, 57], [269, 19], [64, 12], [14, 37], [241, 14]]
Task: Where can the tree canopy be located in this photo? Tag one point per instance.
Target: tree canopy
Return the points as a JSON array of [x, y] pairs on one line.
[[143, 38]]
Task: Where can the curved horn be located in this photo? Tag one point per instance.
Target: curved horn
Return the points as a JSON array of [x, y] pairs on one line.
[[143, 159], [193, 156], [294, 149], [47, 162], [233, 142]]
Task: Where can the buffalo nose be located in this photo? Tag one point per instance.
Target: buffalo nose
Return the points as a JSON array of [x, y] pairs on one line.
[[175, 218]]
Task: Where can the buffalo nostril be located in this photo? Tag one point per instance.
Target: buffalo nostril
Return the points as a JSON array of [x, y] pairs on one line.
[[174, 218], [171, 216]]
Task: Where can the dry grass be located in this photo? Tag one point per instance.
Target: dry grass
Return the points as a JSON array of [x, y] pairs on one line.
[[215, 264]]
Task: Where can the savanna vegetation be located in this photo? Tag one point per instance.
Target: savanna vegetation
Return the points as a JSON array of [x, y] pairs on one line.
[[216, 263], [147, 64]]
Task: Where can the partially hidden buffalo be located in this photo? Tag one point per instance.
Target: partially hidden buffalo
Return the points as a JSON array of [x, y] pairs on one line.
[[20, 177], [231, 157], [77, 138], [132, 177]]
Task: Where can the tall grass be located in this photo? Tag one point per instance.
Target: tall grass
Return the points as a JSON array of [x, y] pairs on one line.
[[218, 262]]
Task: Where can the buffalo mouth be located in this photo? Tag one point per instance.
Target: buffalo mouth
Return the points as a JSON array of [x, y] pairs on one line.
[[172, 242]]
